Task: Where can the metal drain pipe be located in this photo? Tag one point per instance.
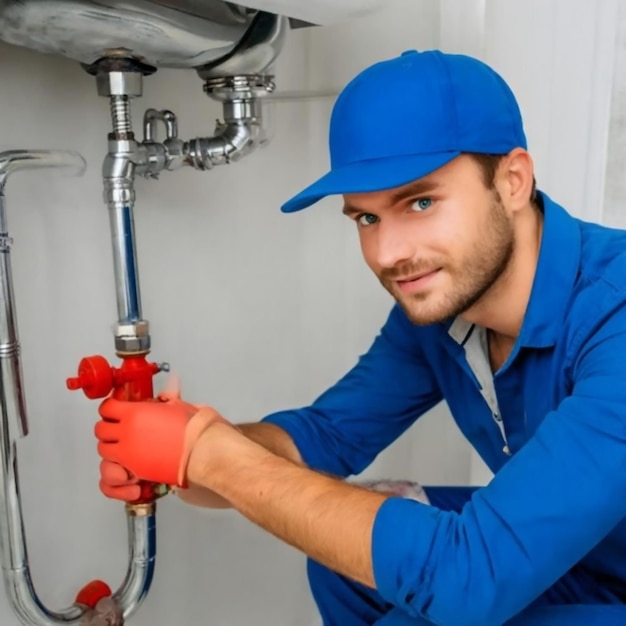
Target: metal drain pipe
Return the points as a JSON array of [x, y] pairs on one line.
[[13, 420]]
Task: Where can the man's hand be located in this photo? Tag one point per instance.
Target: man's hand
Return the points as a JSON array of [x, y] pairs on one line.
[[148, 441]]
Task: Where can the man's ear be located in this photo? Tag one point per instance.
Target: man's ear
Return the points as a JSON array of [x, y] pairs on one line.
[[517, 179]]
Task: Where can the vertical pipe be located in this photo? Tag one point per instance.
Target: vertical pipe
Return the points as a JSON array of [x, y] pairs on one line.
[[142, 552], [10, 367], [125, 262], [13, 552], [118, 172]]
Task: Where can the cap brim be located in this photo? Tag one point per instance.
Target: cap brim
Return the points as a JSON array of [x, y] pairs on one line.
[[369, 176]]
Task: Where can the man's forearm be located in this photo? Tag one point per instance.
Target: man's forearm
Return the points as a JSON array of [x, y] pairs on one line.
[[270, 436], [329, 520]]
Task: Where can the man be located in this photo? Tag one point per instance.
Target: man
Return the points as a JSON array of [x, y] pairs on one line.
[[508, 308]]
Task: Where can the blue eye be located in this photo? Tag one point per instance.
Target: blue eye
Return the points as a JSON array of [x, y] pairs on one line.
[[422, 204], [366, 219]]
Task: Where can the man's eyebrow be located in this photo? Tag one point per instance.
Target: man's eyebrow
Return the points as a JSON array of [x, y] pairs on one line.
[[417, 188], [350, 210]]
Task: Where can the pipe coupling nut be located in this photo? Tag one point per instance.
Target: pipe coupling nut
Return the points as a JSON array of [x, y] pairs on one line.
[[132, 337], [132, 345], [119, 195], [132, 329], [120, 83]]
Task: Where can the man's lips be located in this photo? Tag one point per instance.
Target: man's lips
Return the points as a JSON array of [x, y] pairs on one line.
[[416, 281]]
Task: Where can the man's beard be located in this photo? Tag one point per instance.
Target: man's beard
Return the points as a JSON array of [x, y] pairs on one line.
[[474, 276]]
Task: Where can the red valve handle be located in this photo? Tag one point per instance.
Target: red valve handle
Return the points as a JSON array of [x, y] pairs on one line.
[[92, 593], [131, 382]]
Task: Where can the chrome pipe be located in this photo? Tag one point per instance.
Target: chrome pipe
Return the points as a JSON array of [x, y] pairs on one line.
[[132, 333], [118, 174], [142, 557], [13, 550], [122, 225], [237, 136], [150, 119], [239, 80], [10, 367]]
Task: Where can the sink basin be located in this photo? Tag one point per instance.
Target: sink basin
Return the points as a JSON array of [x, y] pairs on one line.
[[159, 33]]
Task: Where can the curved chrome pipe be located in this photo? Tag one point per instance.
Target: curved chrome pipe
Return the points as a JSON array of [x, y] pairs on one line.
[[239, 80], [15, 160], [142, 557], [13, 423], [238, 135]]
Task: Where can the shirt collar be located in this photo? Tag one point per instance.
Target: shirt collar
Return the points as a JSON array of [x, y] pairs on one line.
[[557, 267]]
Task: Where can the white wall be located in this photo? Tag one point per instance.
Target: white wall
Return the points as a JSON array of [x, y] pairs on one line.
[[614, 209], [256, 310]]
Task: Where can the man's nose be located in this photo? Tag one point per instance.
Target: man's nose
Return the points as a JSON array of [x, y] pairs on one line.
[[395, 245]]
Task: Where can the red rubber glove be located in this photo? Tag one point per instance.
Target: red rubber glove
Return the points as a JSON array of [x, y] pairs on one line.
[[149, 440]]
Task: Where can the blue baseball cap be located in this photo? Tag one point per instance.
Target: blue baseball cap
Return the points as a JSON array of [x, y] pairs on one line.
[[403, 118]]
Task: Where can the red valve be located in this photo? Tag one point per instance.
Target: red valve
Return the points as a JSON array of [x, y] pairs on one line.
[[130, 382], [92, 593]]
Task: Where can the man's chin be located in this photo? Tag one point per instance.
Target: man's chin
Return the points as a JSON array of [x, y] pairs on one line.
[[421, 311], [421, 314]]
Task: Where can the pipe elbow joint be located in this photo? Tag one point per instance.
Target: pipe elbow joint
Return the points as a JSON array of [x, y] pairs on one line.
[[232, 141], [240, 139]]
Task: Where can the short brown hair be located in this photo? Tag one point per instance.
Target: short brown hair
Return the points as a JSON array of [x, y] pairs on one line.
[[488, 164]]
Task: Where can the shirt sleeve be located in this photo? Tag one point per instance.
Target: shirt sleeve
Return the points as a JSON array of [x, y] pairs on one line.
[[372, 405], [550, 505]]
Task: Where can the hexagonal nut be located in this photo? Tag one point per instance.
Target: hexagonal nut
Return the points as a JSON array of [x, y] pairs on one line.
[[133, 329], [132, 345], [119, 84]]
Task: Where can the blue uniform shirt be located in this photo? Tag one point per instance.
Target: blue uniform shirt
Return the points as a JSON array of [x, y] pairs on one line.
[[550, 423]]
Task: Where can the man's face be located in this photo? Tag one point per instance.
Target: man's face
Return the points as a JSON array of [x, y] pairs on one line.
[[438, 244]]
